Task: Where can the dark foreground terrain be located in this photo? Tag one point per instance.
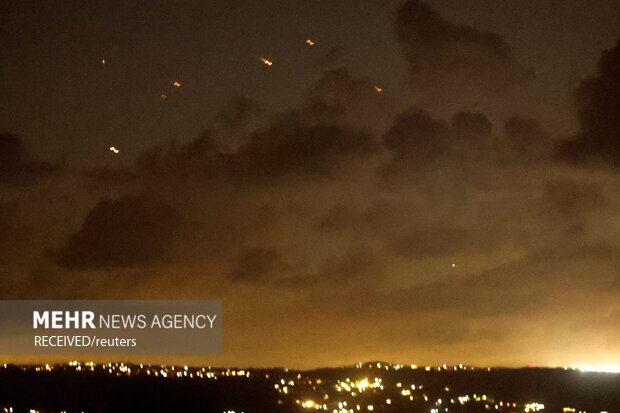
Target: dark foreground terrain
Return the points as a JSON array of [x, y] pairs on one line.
[[377, 387]]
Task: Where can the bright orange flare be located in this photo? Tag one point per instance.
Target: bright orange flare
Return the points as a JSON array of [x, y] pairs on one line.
[[310, 42], [266, 61], [114, 150], [176, 84], [378, 89]]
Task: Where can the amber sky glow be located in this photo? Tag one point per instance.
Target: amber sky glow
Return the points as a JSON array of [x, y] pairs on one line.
[[413, 182]]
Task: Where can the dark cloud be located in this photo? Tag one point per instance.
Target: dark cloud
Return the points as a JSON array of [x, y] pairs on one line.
[[105, 176], [385, 217], [258, 264], [416, 140], [598, 104], [270, 266], [324, 136], [288, 147], [294, 148], [197, 158], [472, 128], [16, 167], [337, 219], [341, 97], [130, 231], [246, 145], [525, 140], [357, 264], [7, 219], [432, 242], [573, 199], [233, 122], [333, 56], [238, 113], [464, 148], [10, 233], [338, 88], [438, 51]]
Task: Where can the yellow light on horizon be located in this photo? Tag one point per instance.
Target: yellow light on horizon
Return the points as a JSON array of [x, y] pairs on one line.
[[603, 368]]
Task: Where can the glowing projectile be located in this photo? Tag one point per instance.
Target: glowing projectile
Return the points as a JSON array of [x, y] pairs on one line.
[[114, 150], [378, 89], [310, 42], [176, 84], [266, 61]]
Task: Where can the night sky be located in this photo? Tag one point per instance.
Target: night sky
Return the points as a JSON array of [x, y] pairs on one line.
[[429, 182]]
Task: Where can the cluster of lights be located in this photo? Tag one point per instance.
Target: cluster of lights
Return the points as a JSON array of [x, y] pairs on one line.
[[11, 410], [534, 407], [444, 367], [359, 385], [363, 394], [336, 395], [122, 369]]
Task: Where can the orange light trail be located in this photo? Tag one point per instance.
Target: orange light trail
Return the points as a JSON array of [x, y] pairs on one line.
[[266, 61], [310, 42]]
